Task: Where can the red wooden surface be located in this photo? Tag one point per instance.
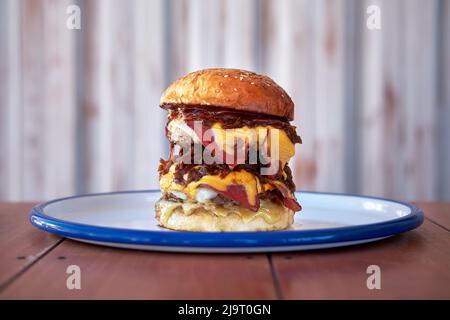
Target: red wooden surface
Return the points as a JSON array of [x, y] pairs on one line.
[[413, 265], [109, 273], [437, 212], [20, 244]]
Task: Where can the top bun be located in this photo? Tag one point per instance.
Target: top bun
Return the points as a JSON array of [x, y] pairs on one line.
[[230, 88]]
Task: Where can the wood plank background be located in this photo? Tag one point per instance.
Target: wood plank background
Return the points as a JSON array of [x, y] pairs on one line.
[[78, 108]]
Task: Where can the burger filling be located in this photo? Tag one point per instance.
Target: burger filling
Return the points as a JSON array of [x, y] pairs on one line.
[[269, 211], [235, 186]]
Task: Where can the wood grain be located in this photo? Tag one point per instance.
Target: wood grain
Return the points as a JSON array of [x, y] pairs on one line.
[[286, 54], [126, 274], [414, 265], [33, 99], [78, 108], [240, 34], [10, 102], [122, 66], [329, 52], [211, 34], [150, 59], [95, 110], [33, 265], [398, 106], [443, 105], [419, 102], [59, 109], [437, 212], [379, 123], [48, 130], [121, 125], [21, 244]]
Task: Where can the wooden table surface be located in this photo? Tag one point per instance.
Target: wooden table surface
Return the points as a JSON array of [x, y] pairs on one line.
[[413, 265]]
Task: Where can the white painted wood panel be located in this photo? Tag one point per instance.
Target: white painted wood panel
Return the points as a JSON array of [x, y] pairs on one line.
[[419, 99], [96, 101], [79, 109], [287, 51], [329, 93], [47, 100], [379, 105], [443, 70], [10, 102], [150, 59], [58, 105]]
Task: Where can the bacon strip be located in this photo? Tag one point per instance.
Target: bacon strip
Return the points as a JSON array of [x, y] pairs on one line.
[[236, 193], [288, 200], [210, 144], [292, 204]]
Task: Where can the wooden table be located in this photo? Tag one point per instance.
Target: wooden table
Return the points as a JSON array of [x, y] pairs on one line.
[[413, 265]]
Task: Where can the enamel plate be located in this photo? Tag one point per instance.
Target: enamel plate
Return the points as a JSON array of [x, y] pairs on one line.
[[127, 220]]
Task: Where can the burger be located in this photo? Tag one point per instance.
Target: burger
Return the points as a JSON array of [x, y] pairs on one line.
[[230, 142]]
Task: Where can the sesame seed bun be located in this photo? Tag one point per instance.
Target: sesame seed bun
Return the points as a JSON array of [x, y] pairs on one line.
[[230, 88]]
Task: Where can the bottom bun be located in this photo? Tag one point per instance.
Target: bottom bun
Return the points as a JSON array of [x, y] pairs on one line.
[[206, 217]]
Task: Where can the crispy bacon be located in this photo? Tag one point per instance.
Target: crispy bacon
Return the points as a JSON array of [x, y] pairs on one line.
[[238, 194], [288, 199], [187, 173], [292, 204], [284, 187], [231, 118], [216, 150]]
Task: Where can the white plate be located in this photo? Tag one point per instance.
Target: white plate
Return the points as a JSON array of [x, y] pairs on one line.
[[126, 220]]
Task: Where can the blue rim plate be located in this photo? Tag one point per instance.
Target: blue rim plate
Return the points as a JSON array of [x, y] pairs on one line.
[[126, 219]]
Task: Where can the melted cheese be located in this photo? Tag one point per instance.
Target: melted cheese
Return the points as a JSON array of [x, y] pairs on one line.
[[243, 178], [269, 211], [251, 184], [226, 138], [166, 209]]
